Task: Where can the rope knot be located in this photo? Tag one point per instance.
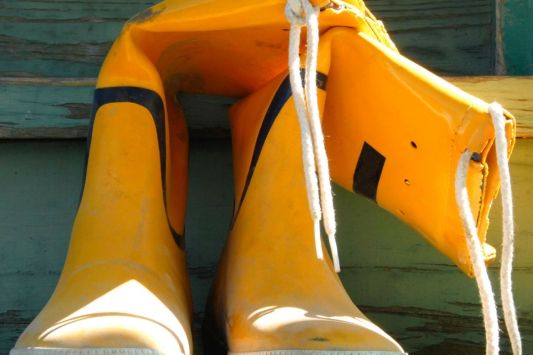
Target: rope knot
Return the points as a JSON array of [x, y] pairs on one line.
[[295, 12]]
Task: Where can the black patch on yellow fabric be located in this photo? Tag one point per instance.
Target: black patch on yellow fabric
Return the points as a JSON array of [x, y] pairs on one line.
[[368, 172]]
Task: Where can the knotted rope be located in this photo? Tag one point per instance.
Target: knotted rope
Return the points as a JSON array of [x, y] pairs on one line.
[[301, 13]]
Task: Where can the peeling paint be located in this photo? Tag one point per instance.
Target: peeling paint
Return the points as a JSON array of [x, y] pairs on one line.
[[77, 111]]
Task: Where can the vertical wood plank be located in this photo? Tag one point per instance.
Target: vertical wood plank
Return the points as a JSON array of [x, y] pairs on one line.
[[517, 36]]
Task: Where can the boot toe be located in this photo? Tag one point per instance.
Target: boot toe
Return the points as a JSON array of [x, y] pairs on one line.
[[129, 319], [293, 329]]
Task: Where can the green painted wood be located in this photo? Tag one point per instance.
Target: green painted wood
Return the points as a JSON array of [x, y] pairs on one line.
[[45, 106], [429, 310], [65, 38], [60, 108], [396, 278], [38, 201], [49, 38], [50, 48], [517, 36], [453, 37]]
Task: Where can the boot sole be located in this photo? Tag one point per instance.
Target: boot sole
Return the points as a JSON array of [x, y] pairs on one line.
[[93, 351], [318, 352]]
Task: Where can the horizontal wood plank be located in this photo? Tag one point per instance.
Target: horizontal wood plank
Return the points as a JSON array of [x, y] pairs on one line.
[[45, 106], [450, 37], [69, 38], [514, 93], [60, 107], [65, 38], [424, 311]]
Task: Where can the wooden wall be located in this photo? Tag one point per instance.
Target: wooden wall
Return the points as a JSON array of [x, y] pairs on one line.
[[50, 52], [69, 39], [396, 278]]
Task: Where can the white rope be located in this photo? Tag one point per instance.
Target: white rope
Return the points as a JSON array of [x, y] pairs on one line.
[[300, 13], [506, 283], [307, 145], [326, 195], [490, 315]]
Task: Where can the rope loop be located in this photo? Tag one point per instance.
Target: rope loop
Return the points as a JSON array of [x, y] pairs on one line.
[[488, 302], [490, 313]]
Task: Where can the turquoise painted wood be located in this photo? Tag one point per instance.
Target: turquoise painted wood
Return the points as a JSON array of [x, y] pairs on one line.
[[389, 270], [49, 38], [61, 108], [45, 107], [50, 48], [518, 36], [60, 38]]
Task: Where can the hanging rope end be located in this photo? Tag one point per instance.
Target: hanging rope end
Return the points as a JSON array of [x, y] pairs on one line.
[[334, 252]]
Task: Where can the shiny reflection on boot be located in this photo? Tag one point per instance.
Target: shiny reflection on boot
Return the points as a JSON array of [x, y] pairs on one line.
[[274, 318], [129, 312]]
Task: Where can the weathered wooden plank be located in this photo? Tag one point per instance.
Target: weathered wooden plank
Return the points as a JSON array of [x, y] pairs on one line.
[[45, 106], [44, 132], [514, 93], [70, 38], [60, 38], [70, 10], [451, 37], [425, 310], [396, 278], [60, 107]]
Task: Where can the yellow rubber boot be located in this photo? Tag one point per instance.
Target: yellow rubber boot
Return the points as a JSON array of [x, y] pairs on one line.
[[124, 287], [395, 132], [272, 295]]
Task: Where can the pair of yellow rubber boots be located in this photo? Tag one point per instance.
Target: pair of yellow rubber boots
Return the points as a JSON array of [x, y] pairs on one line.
[[394, 133]]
